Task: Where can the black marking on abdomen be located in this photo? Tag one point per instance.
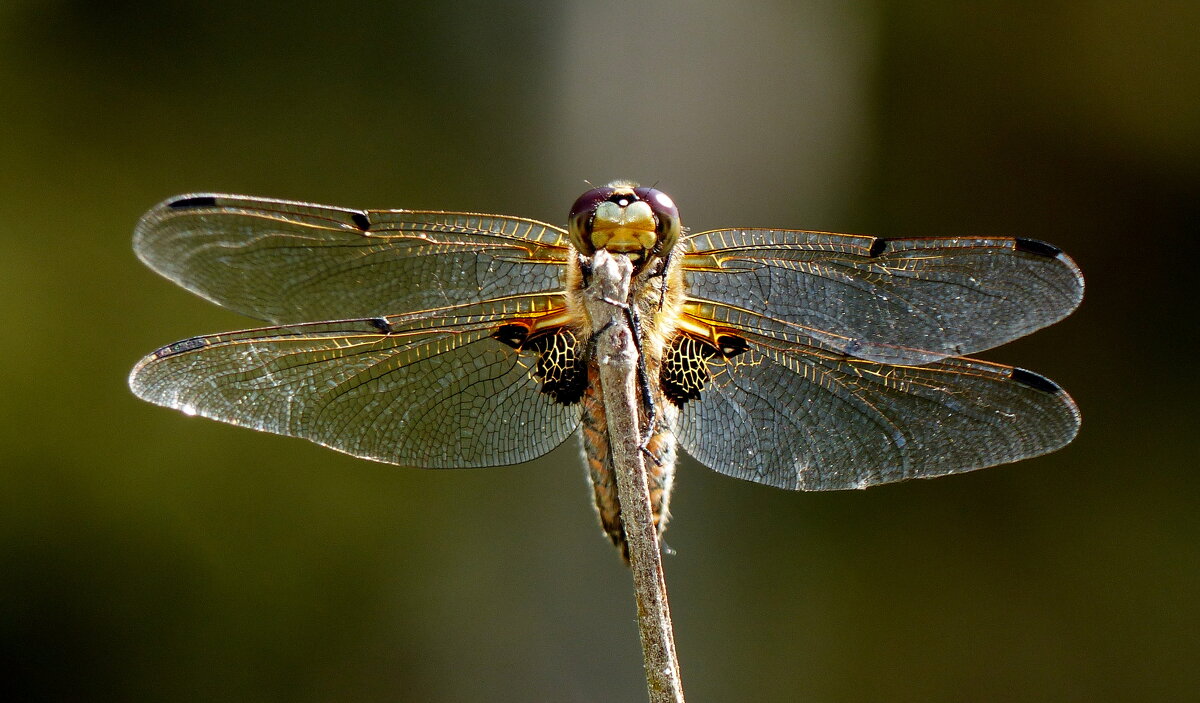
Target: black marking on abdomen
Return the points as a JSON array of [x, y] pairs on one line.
[[180, 347], [1035, 381], [188, 203], [1037, 247]]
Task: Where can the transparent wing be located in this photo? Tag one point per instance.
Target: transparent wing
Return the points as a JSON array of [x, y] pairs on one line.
[[901, 301], [284, 261], [429, 391], [804, 419]]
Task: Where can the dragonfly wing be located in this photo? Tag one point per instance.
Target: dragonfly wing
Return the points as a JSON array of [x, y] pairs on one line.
[[804, 419], [428, 392], [901, 301], [285, 261]]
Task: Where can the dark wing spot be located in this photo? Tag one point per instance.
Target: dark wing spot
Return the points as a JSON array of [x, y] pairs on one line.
[[1037, 247], [381, 324], [1035, 381], [731, 346], [513, 335], [186, 345], [361, 221], [877, 247], [198, 201]]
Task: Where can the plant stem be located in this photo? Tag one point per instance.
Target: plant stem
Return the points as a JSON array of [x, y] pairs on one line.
[[617, 357]]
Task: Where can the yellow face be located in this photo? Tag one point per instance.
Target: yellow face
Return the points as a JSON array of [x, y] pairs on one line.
[[625, 218], [627, 229]]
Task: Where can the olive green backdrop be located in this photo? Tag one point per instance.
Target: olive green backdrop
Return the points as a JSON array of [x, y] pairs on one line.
[[149, 556]]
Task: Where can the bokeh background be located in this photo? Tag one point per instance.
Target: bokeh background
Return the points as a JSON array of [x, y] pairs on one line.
[[148, 556]]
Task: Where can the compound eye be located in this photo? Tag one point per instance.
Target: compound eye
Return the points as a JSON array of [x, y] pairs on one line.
[[665, 212], [579, 222]]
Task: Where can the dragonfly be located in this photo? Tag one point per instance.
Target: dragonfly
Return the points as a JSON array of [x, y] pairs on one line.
[[803, 360]]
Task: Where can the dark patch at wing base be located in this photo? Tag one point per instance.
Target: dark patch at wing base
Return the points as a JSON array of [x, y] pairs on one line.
[[685, 370], [731, 345], [560, 367], [514, 335]]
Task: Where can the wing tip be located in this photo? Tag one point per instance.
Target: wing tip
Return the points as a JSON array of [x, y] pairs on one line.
[[144, 230], [1066, 403]]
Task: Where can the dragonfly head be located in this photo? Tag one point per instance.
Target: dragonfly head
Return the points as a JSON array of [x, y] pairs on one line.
[[624, 218]]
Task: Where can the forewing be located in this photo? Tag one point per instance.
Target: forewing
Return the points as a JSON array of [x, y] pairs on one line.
[[901, 301], [804, 419], [422, 391], [286, 262]]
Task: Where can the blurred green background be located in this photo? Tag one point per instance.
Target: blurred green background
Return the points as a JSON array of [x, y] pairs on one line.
[[149, 556]]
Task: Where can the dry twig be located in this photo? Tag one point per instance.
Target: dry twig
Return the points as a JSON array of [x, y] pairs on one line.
[[617, 356]]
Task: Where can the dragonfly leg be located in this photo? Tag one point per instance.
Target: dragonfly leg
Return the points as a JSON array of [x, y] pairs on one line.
[[643, 382], [661, 274]]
